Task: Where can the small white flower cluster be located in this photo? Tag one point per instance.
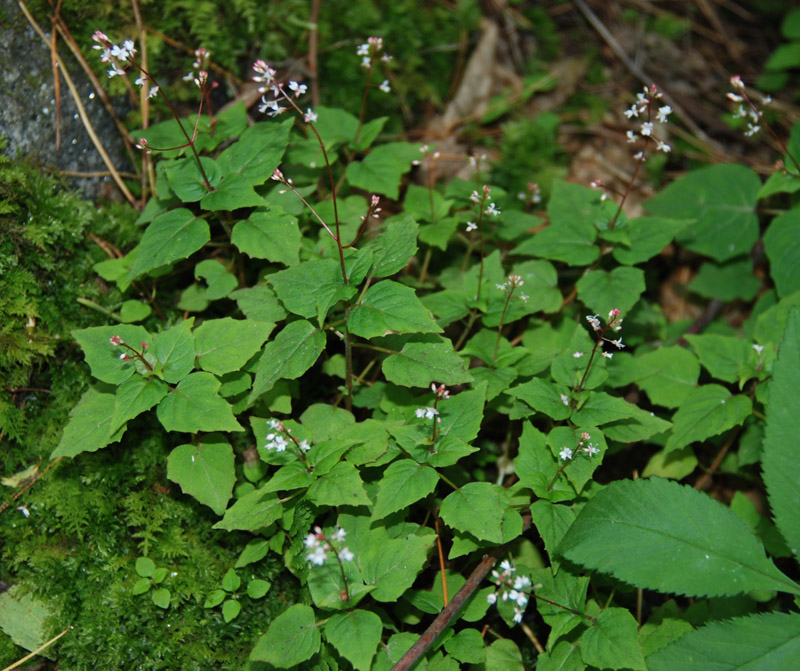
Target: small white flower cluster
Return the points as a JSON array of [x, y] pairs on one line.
[[491, 208], [513, 282], [590, 449], [319, 545], [114, 53], [199, 72], [371, 48], [614, 323], [510, 588], [265, 75], [426, 152], [277, 440], [373, 209], [752, 113], [533, 196], [644, 105], [430, 412]]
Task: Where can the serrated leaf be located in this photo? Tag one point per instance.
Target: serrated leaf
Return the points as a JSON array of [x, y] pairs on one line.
[[252, 511], [257, 153], [720, 355], [670, 538], [135, 396], [172, 236], [89, 426], [195, 406], [390, 307], [232, 193], [355, 635], [404, 482], [392, 565], [341, 486], [272, 235], [205, 471], [225, 345], [727, 281], [782, 246], [293, 351], [219, 280], [420, 364], [292, 637], [763, 642], [383, 168], [483, 510], [611, 642], [259, 303], [186, 180], [779, 457], [601, 291], [503, 655], [312, 288], [647, 237], [707, 411], [393, 248], [544, 396], [721, 200], [174, 350], [467, 646], [668, 375]]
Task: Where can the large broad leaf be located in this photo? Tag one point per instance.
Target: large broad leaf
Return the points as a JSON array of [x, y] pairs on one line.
[[294, 350], [764, 642], [292, 638], [272, 235], [195, 406], [720, 355], [708, 410], [312, 288], [186, 180], [257, 152], [727, 281], [601, 291], [483, 510], [647, 237], [259, 303], [419, 364], [392, 249], [721, 200], [383, 168], [134, 396], [389, 307], [779, 459], [668, 375], [611, 641], [205, 471], [657, 534], [355, 635], [341, 486], [103, 357], [404, 482], [22, 618], [252, 511], [89, 426], [544, 396], [782, 246], [172, 236], [225, 345], [174, 350]]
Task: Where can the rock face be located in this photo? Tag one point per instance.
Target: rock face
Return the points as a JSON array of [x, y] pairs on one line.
[[28, 107]]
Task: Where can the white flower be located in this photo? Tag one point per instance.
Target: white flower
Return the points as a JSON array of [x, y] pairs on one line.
[[298, 89], [491, 598], [346, 554], [758, 349], [632, 137], [565, 454], [271, 107], [304, 446], [523, 298], [617, 343], [311, 541], [492, 210], [366, 62], [647, 128], [471, 226], [475, 197], [274, 424], [518, 597], [663, 113], [608, 355], [564, 399], [427, 413], [632, 112], [385, 86], [310, 116], [507, 566], [594, 320], [318, 556], [153, 92], [115, 70], [518, 615], [577, 355], [663, 146], [521, 582], [639, 156], [591, 449], [276, 442], [339, 534], [363, 49]]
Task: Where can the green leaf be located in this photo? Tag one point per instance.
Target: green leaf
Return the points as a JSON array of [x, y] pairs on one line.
[[543, 396], [779, 458], [611, 642], [393, 564], [462, 414], [293, 351], [255, 550], [215, 598], [720, 355], [103, 357], [230, 581], [647, 236], [419, 364], [620, 420], [23, 617], [272, 235], [341, 486], [311, 288], [503, 655], [252, 511], [225, 345], [141, 586], [537, 467], [782, 246], [389, 307], [574, 210], [257, 153], [467, 646], [565, 656], [763, 642], [538, 294], [205, 471], [233, 192], [145, 567], [355, 635], [383, 168], [195, 406], [483, 510], [393, 248], [161, 598], [404, 482], [569, 369], [668, 375], [425, 204], [551, 521], [89, 426], [174, 350], [292, 637], [721, 200], [230, 610], [172, 236], [601, 291], [711, 552], [257, 589], [219, 280], [186, 180], [779, 181], [726, 282], [134, 311], [259, 303], [709, 410], [135, 396]]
